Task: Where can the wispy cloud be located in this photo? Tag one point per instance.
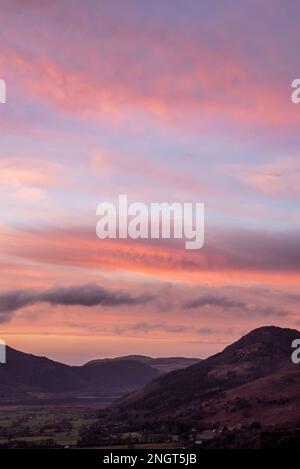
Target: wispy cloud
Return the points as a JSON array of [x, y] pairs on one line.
[[229, 250], [280, 177], [236, 307], [146, 327]]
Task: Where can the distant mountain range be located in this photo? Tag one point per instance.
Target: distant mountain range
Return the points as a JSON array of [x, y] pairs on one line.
[[29, 377], [252, 379], [163, 364]]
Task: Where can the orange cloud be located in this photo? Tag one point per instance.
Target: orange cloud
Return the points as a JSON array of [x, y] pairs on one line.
[[241, 256]]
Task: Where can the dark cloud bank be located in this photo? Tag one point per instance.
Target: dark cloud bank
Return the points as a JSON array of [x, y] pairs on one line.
[[81, 295]]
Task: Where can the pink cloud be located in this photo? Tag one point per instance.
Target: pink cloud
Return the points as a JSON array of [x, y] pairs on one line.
[[183, 80], [228, 257]]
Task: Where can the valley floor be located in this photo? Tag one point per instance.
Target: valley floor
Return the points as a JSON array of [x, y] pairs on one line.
[[45, 425]]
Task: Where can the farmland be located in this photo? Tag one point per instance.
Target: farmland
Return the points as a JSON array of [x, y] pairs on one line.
[[57, 425]]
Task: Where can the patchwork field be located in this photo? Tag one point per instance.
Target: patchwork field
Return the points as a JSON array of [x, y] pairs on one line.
[[57, 425]]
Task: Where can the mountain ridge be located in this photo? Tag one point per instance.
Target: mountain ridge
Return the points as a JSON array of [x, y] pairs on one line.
[[24, 375], [262, 354]]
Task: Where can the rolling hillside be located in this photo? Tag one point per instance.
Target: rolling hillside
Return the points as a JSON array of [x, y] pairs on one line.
[[253, 378]]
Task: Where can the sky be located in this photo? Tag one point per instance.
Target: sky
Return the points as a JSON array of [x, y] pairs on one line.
[[163, 101]]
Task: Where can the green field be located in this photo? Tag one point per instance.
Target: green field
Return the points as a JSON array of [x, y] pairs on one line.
[[32, 424]]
